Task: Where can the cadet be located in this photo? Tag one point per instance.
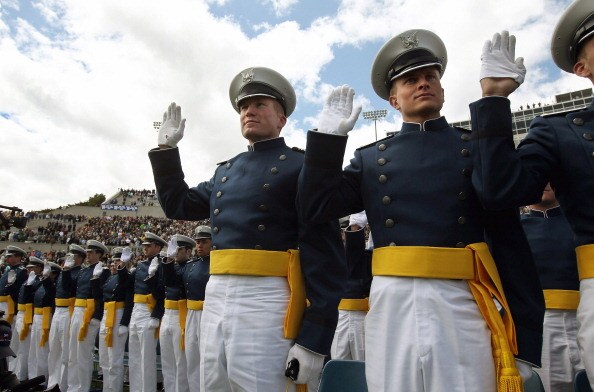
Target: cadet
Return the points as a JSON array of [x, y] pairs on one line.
[[349, 338], [173, 324], [146, 315], [60, 327], [558, 149], [256, 231], [10, 284], [424, 213], [85, 323], [112, 287], [553, 247]]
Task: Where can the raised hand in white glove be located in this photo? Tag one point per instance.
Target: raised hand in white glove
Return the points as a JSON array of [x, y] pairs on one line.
[[172, 247], [11, 277], [122, 330], [310, 364], [525, 369], [358, 219], [94, 323], [153, 266], [498, 59], [98, 270], [153, 323], [31, 278], [126, 254], [172, 127], [69, 262], [338, 116], [46, 270]]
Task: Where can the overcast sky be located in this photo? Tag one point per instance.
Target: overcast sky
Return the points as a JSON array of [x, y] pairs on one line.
[[81, 82]]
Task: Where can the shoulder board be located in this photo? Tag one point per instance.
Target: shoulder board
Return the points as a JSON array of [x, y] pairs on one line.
[[298, 149], [222, 163], [377, 141], [561, 114], [465, 130]]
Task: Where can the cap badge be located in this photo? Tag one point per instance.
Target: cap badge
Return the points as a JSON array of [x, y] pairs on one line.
[[247, 76], [410, 41]]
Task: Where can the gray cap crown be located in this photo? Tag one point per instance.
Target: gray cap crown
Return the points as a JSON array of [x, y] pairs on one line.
[[152, 238], [184, 240], [35, 262], [15, 250], [96, 245], [410, 50], [262, 82], [575, 25], [203, 232], [77, 249]]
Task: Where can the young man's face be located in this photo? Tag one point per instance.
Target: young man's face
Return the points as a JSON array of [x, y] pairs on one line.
[[151, 250], [203, 246], [261, 118], [418, 95], [13, 260]]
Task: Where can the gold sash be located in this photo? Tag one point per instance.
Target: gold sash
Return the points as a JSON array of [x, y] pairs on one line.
[[195, 305], [147, 299], [361, 304], [110, 316], [267, 263], [27, 320], [585, 261], [561, 299], [89, 305], [46, 321], [66, 302], [474, 264]]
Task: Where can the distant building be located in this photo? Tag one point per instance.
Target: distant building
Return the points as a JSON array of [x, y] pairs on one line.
[[521, 119]]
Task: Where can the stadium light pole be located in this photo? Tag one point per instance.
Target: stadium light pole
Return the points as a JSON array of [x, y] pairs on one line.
[[375, 115], [156, 125]]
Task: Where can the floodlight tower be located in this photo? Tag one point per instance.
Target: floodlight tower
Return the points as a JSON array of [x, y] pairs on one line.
[[375, 115]]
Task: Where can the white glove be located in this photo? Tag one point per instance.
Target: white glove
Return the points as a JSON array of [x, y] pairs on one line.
[[310, 364], [172, 247], [94, 323], [126, 254], [97, 270], [498, 59], [172, 127], [524, 368], [11, 277], [338, 116], [359, 219], [31, 278], [153, 323], [153, 266], [46, 270], [69, 262], [122, 330]]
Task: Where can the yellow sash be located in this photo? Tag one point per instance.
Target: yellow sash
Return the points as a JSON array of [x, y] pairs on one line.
[[89, 305], [46, 321], [267, 263], [585, 261], [561, 299], [147, 299], [183, 313], [110, 316], [195, 305], [27, 320], [361, 304], [9, 307], [66, 302], [474, 264]]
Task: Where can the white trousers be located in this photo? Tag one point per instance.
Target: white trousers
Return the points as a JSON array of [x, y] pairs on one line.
[[242, 344], [585, 319], [38, 355], [21, 362], [426, 335], [560, 354], [349, 337], [142, 351], [193, 348], [173, 359], [111, 359], [58, 349], [80, 356]]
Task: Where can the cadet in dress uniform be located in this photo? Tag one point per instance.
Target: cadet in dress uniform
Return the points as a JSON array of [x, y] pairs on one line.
[[85, 323], [10, 283], [434, 276], [349, 338], [146, 315], [60, 327], [256, 231], [43, 306], [113, 288], [553, 246], [558, 149], [173, 324], [193, 275]]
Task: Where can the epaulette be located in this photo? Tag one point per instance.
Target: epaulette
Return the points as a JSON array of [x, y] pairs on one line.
[[222, 163], [465, 130], [561, 114], [297, 149], [377, 141]]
